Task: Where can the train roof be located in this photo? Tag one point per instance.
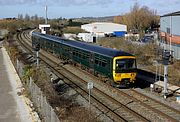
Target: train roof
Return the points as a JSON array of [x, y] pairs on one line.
[[85, 46]]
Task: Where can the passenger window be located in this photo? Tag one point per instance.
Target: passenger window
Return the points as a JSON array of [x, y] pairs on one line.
[[96, 61], [104, 64], [84, 57]]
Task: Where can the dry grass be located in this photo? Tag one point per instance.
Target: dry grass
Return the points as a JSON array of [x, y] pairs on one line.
[[74, 30], [144, 54], [67, 107]]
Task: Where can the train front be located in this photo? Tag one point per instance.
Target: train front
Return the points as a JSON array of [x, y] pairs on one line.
[[124, 70]]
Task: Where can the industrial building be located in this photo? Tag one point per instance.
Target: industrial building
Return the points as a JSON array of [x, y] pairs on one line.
[[170, 32], [104, 28]]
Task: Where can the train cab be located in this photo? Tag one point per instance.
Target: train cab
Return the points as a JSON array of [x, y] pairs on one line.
[[124, 69]]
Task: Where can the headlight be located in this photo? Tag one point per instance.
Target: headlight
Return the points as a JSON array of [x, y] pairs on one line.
[[118, 75]]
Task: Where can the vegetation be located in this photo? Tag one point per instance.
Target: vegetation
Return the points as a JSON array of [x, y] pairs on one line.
[[145, 54], [58, 26], [139, 19], [74, 30]]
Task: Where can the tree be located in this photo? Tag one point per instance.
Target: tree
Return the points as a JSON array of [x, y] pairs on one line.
[[117, 19], [27, 17], [139, 18], [35, 17], [20, 16]]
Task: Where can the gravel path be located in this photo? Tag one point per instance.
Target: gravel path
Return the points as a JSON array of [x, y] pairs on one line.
[[13, 107]]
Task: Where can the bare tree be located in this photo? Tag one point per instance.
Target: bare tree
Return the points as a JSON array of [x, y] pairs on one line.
[[20, 16], [27, 17], [139, 18]]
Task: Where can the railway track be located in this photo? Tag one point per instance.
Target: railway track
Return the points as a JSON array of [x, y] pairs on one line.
[[116, 109], [101, 101]]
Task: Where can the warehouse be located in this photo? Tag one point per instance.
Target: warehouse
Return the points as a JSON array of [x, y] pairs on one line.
[[170, 32], [105, 28]]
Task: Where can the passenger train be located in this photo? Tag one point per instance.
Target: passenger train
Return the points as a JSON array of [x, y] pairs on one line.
[[118, 66]]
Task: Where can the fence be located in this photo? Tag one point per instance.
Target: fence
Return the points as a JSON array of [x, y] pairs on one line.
[[46, 111], [41, 103]]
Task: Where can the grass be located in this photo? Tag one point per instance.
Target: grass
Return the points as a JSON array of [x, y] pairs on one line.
[[73, 30]]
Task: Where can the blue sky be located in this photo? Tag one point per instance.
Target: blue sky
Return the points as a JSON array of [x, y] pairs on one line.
[[82, 8]]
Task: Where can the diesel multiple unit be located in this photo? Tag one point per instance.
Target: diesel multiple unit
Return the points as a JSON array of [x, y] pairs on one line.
[[116, 65]]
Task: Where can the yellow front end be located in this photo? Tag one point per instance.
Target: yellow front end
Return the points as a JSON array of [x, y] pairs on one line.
[[128, 75], [118, 77]]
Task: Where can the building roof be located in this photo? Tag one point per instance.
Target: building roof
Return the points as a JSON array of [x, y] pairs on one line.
[[103, 23], [172, 14], [104, 27]]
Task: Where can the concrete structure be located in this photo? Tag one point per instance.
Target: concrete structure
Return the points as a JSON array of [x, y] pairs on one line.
[[13, 108], [171, 88], [103, 28], [3, 32], [87, 37], [170, 32], [69, 36], [44, 28]]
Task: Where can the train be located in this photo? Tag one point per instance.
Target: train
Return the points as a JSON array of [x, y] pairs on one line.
[[116, 65]]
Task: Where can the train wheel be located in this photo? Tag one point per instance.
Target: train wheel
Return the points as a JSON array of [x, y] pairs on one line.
[[113, 84]]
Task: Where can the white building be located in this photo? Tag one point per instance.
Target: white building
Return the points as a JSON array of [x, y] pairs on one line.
[[102, 28], [44, 28]]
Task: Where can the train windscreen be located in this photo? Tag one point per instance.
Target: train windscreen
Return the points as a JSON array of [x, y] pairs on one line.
[[125, 65]]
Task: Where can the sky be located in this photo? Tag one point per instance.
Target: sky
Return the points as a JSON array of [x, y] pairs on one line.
[[82, 8]]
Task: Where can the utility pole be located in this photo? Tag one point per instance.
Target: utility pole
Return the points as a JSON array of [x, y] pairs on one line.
[[170, 34], [46, 14], [46, 8]]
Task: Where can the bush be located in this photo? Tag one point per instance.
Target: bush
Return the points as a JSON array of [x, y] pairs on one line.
[[74, 30]]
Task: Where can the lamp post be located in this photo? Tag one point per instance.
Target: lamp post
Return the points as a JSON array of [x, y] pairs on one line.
[[170, 34], [89, 87]]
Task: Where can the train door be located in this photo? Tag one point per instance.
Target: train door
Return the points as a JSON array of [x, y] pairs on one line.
[[91, 61], [71, 54]]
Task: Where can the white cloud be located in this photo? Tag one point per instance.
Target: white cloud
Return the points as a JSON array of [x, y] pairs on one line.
[[60, 2], [11, 2]]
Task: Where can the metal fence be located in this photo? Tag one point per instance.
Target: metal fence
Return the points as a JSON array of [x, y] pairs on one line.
[[46, 111]]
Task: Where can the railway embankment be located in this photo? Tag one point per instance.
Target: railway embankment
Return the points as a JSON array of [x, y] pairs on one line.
[[12, 97]]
